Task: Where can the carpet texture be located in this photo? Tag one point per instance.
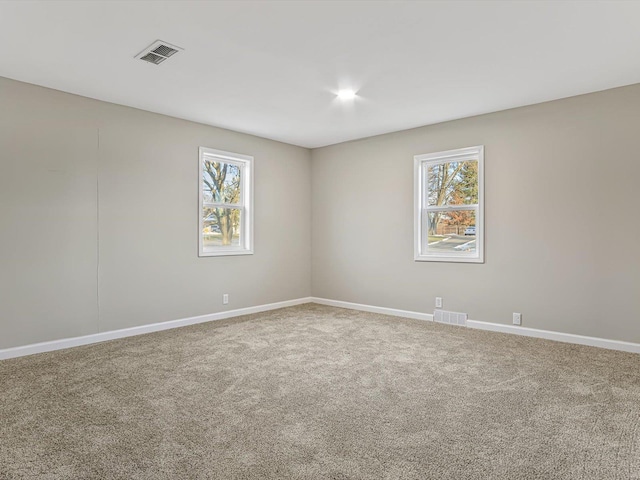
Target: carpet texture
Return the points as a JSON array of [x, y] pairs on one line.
[[315, 392]]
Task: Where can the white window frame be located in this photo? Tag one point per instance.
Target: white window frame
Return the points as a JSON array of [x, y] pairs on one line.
[[245, 162], [421, 207]]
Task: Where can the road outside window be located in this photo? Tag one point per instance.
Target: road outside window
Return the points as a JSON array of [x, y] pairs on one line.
[[449, 206]]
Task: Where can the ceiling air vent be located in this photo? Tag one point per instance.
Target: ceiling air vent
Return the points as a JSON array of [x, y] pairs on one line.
[[158, 52]]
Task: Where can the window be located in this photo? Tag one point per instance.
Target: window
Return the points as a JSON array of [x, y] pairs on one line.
[[448, 206], [226, 203]]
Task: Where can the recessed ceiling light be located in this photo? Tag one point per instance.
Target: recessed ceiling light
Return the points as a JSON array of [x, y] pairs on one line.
[[346, 95]]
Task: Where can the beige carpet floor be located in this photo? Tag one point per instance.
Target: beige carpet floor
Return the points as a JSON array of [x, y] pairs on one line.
[[315, 392]]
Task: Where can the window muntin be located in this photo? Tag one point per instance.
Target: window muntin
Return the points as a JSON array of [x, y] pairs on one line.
[[226, 213], [449, 206]]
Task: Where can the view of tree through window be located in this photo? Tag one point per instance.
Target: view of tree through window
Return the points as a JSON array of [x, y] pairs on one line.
[[452, 183], [221, 203], [226, 203], [449, 205]]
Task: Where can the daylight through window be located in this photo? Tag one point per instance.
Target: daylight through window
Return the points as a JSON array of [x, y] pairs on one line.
[[449, 206], [226, 214]]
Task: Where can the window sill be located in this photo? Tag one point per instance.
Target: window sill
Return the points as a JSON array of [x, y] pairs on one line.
[[225, 253], [438, 258]]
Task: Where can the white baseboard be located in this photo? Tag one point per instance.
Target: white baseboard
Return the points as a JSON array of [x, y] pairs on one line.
[[557, 336], [156, 327], [369, 308], [130, 332], [495, 327]]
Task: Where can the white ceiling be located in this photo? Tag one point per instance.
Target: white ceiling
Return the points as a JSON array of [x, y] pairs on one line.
[[272, 68]]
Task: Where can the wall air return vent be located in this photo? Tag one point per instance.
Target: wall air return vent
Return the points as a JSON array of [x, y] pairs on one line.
[[452, 318], [158, 52]]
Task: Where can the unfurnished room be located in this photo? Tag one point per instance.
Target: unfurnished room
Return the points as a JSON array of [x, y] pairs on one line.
[[340, 240]]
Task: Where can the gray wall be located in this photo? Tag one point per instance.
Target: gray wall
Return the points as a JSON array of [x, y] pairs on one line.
[[562, 218], [99, 206]]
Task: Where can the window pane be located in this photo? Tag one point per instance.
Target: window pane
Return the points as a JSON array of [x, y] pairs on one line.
[[221, 227], [220, 181], [451, 232], [452, 183]]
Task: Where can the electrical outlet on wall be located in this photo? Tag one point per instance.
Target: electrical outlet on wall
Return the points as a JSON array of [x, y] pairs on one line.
[[517, 318], [225, 298], [438, 302]]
